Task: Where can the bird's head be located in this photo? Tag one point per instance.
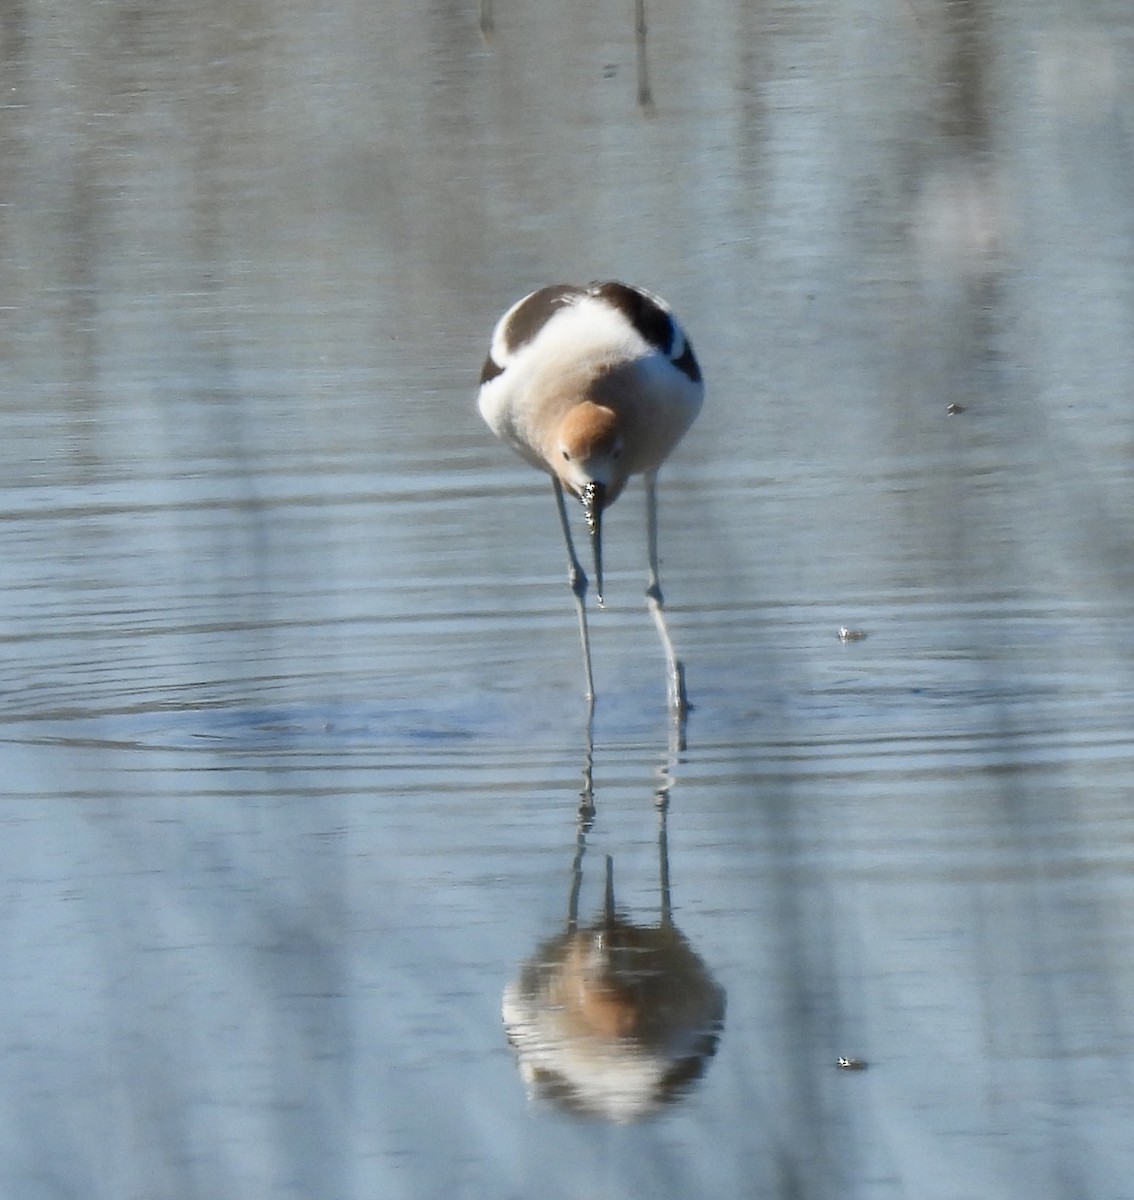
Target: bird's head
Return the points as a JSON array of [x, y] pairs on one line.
[[590, 464]]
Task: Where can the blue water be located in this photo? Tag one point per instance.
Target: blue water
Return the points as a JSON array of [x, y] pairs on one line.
[[292, 742]]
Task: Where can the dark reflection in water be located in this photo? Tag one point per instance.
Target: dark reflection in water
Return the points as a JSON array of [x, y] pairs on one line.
[[645, 94], [613, 1019]]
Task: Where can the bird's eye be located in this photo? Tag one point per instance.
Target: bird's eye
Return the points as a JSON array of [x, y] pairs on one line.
[[617, 453], [566, 455]]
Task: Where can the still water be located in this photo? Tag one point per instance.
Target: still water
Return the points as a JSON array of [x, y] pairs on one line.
[[298, 801]]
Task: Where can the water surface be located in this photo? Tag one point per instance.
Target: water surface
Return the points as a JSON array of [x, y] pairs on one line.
[[292, 738]]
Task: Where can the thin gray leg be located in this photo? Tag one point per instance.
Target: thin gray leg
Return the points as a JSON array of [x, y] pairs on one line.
[[678, 701], [577, 577]]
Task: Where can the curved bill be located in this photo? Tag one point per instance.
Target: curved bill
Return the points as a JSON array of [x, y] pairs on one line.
[[594, 499]]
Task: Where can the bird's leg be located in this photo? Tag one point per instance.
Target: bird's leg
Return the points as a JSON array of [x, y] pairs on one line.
[[678, 700], [578, 579]]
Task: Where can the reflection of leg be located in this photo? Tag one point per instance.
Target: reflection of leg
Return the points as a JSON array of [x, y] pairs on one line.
[[584, 819], [662, 805], [582, 829], [678, 701], [577, 578]]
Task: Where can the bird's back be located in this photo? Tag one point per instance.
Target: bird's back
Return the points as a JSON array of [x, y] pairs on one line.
[[610, 343]]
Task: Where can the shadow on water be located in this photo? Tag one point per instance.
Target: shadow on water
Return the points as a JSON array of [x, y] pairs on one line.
[[613, 1019]]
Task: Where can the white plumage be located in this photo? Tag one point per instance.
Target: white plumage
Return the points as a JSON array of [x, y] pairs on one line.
[[593, 385]]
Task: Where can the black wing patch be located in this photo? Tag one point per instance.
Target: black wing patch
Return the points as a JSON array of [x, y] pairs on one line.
[[490, 370], [653, 322], [687, 363], [533, 313]]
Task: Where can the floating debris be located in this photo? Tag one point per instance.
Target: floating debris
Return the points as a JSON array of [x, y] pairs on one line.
[[851, 635], [954, 408], [852, 1064]]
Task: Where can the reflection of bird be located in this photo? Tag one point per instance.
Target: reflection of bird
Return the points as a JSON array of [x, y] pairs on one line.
[[595, 384], [614, 1020]]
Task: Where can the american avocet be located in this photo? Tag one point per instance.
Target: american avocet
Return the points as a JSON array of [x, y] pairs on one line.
[[614, 1019], [595, 384]]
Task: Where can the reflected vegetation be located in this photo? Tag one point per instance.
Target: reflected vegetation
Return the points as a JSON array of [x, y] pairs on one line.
[[645, 92], [614, 1019]]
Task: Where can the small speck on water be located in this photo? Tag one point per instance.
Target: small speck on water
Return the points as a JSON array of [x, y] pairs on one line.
[[851, 635], [851, 1064]]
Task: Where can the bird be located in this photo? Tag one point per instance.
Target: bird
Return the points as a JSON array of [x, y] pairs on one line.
[[594, 384]]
